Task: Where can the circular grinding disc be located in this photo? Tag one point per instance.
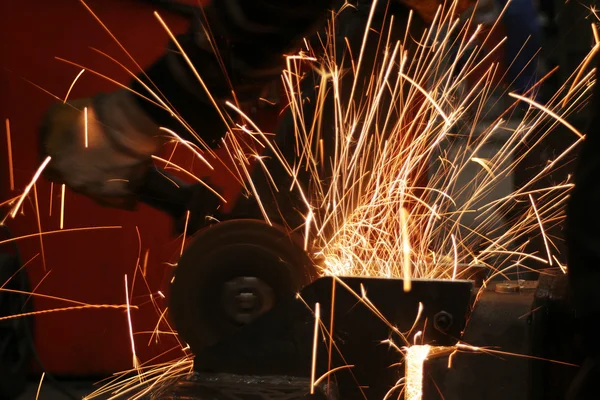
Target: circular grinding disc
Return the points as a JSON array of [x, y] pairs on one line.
[[231, 273]]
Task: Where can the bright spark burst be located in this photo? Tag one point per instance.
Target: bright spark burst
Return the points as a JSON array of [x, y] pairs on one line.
[[367, 211], [414, 359]]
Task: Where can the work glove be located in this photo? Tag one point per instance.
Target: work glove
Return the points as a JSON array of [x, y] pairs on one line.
[[120, 138]]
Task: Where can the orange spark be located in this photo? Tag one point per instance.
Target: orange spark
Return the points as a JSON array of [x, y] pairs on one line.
[[187, 218], [22, 267], [39, 222], [549, 112], [59, 231], [145, 266], [192, 67], [29, 186], [584, 65], [10, 157], [135, 359], [85, 126], [455, 268], [308, 220], [200, 181], [37, 395], [188, 146], [73, 308], [405, 249], [330, 372], [331, 322], [313, 369], [73, 84], [62, 206], [477, 349], [51, 195], [9, 201], [537, 216]]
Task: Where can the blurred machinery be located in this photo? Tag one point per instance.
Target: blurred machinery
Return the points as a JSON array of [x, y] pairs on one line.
[[243, 298]]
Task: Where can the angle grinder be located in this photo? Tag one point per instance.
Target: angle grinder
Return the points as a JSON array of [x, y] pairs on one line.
[[230, 272]]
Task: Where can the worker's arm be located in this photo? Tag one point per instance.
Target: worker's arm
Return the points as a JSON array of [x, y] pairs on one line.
[[250, 39]]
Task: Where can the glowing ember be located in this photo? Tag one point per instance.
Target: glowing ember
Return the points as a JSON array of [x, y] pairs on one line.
[[10, 157], [414, 359]]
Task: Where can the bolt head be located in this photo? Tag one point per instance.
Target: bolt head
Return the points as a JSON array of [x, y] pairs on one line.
[[442, 321]]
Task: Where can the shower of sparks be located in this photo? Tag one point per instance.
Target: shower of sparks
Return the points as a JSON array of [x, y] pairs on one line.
[[371, 214], [414, 359], [366, 211], [146, 380], [11, 173]]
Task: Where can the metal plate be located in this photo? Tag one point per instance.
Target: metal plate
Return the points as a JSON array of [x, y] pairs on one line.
[[280, 342], [230, 274], [236, 387]]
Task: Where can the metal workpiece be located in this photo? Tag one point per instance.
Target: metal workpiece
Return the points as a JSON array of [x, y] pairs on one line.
[[244, 297], [281, 341], [498, 321], [242, 387], [556, 336], [532, 327], [516, 286]]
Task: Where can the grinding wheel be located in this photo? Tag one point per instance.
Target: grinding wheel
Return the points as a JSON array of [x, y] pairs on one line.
[[230, 274]]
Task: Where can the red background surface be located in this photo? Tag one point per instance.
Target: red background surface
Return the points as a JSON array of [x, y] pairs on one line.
[[87, 266]]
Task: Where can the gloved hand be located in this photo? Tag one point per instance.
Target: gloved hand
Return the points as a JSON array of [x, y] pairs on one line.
[[121, 139]]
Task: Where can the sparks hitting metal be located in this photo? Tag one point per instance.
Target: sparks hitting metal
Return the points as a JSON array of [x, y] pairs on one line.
[[415, 357], [365, 209], [373, 205]]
